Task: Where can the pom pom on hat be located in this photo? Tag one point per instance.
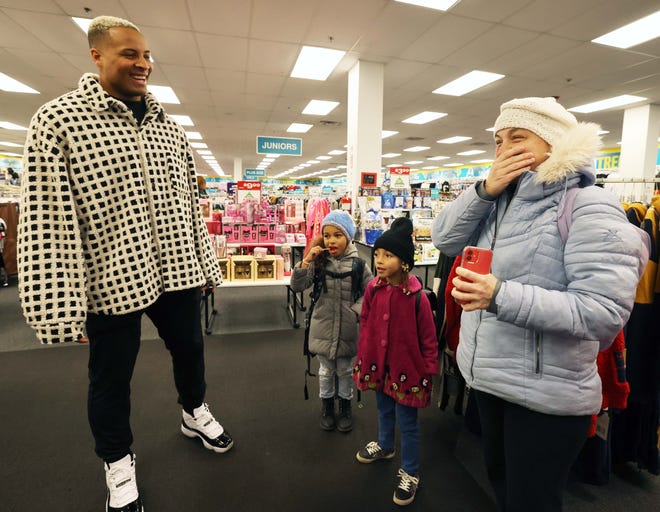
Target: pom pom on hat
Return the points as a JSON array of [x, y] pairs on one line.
[[398, 240], [543, 116], [340, 220]]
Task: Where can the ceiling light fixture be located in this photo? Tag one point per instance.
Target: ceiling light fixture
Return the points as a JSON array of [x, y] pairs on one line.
[[438, 158], [320, 107], [440, 5], [637, 32], [424, 117], [390, 155], [316, 63], [336, 152], [453, 140], [415, 149], [299, 128], [617, 101], [194, 135], [164, 94], [182, 120], [387, 133], [9, 84], [10, 144], [83, 23], [11, 126], [471, 152], [468, 83]]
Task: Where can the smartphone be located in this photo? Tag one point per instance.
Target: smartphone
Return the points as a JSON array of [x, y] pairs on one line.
[[477, 259]]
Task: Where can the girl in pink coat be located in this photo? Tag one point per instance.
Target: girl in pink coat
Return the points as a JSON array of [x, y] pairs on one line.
[[397, 354]]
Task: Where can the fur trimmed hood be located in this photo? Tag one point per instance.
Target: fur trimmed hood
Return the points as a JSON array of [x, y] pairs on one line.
[[572, 153]]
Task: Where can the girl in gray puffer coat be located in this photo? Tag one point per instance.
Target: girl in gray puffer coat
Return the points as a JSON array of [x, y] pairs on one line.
[[333, 331], [531, 329]]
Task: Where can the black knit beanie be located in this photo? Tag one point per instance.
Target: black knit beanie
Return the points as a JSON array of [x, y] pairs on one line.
[[398, 241]]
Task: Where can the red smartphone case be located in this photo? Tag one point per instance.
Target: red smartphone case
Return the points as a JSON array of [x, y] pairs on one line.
[[477, 259]]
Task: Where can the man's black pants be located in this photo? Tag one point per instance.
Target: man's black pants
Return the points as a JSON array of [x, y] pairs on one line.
[[114, 343]]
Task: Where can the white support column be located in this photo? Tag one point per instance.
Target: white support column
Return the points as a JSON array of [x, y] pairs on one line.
[[238, 169], [639, 142], [364, 122]]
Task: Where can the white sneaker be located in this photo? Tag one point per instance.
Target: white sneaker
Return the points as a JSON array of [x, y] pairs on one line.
[[123, 493], [202, 424]]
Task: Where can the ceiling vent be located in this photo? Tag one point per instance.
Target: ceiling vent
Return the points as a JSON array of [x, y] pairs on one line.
[[325, 122], [415, 138]]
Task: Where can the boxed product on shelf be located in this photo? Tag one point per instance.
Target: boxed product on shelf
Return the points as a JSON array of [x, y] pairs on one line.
[[224, 268], [426, 253], [279, 233], [265, 268], [422, 230], [214, 227], [260, 252], [232, 232], [220, 245], [279, 267], [249, 234], [242, 268], [263, 231]]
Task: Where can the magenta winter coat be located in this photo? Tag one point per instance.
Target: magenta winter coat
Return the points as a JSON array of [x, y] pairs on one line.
[[397, 353]]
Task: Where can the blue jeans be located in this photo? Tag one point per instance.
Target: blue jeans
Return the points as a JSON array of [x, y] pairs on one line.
[[328, 368], [389, 411]]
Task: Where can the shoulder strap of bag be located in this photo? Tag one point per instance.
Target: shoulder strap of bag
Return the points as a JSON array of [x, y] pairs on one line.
[[565, 215], [357, 273]]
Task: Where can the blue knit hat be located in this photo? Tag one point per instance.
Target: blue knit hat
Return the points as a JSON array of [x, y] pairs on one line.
[[342, 221]]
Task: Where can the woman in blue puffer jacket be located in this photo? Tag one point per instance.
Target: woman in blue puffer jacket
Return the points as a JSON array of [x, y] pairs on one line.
[[531, 328]]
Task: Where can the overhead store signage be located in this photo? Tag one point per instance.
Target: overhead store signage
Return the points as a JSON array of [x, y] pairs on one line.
[[279, 146], [254, 173]]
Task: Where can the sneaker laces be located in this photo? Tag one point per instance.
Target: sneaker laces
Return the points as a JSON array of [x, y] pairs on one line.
[[120, 479], [373, 447], [207, 423], [407, 480]]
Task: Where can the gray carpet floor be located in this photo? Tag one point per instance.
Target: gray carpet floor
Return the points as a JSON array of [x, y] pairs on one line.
[[281, 460]]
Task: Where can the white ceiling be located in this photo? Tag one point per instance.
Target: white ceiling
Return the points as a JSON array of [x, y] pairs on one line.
[[229, 63]]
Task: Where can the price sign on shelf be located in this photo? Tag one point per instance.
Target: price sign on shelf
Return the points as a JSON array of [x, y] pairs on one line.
[[248, 190], [400, 177]]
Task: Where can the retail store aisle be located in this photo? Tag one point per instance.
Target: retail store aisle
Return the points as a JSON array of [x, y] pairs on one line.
[[281, 460]]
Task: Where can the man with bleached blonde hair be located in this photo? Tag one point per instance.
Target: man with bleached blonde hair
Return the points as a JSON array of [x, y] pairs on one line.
[[111, 229]]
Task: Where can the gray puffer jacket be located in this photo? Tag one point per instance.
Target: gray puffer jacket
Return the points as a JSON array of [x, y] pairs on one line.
[[333, 329], [558, 304]]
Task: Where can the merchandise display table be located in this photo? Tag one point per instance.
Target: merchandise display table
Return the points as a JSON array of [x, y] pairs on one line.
[[294, 301]]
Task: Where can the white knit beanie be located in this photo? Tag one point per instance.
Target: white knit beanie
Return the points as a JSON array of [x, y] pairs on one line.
[[543, 116]]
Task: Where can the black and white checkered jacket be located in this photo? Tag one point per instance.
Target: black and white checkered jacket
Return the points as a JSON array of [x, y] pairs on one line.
[[109, 212]]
